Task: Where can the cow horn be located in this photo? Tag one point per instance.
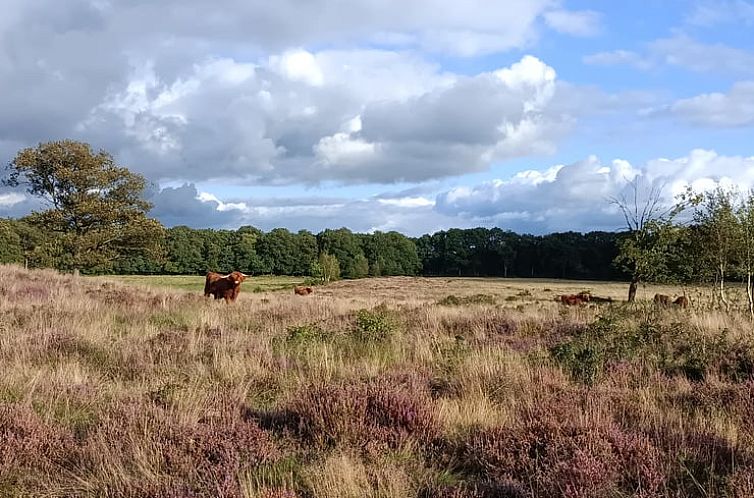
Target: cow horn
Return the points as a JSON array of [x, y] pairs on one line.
[[226, 276], [242, 273]]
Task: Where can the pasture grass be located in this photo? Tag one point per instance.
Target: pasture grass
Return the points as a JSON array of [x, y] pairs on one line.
[[389, 387], [195, 283]]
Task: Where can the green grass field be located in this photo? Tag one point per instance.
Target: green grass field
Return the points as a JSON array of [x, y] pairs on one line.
[[195, 283]]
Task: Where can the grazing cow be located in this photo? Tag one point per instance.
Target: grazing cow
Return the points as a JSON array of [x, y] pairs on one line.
[[585, 296], [682, 301], [302, 291], [223, 286], [662, 300], [572, 299]]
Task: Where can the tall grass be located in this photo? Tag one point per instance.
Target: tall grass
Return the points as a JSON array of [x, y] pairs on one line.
[[391, 387]]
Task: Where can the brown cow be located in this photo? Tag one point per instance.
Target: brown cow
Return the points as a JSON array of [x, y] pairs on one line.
[[224, 286], [572, 300], [582, 297], [585, 296], [682, 301], [662, 300], [302, 291]]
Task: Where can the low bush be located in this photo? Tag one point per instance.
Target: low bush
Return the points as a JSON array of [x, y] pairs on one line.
[[674, 349], [452, 300], [367, 414], [377, 324], [306, 333]]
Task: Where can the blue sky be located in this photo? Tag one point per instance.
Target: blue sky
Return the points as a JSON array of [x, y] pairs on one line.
[[378, 115]]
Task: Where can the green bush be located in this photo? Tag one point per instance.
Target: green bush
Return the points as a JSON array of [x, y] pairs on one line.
[[305, 333], [375, 325], [453, 300], [674, 349]]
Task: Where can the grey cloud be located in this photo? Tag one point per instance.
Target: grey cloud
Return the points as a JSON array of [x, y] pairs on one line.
[[180, 206], [294, 120], [467, 113]]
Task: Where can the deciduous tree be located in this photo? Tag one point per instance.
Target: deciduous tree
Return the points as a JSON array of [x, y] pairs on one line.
[[95, 209]]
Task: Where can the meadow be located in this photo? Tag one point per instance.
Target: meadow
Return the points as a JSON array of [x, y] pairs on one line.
[[388, 387]]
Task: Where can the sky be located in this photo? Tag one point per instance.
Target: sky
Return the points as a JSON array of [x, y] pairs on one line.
[[528, 115]]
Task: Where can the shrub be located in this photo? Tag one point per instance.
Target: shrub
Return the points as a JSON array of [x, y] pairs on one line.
[[306, 333], [375, 325], [198, 458], [673, 349], [368, 413], [31, 445], [541, 458], [452, 300]]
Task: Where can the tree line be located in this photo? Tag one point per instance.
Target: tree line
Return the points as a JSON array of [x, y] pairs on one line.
[[96, 221], [478, 252]]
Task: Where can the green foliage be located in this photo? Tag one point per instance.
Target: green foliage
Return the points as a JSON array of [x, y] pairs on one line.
[[306, 333], [390, 253], [674, 349], [11, 250], [330, 267], [344, 245], [452, 300], [377, 324], [360, 267], [654, 252], [96, 215]]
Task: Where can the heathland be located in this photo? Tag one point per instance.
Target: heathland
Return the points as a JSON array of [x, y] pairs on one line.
[[384, 387]]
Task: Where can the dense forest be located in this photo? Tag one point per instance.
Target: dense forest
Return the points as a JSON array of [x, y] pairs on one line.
[[456, 252]]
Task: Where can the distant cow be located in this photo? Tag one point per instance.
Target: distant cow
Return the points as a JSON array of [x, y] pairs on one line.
[[223, 286], [682, 301], [302, 291], [572, 299], [662, 300]]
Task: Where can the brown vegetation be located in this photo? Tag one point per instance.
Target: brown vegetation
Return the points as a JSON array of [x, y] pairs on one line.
[[369, 388]]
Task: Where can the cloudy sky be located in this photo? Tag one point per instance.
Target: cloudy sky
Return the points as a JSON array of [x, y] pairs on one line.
[[386, 115]]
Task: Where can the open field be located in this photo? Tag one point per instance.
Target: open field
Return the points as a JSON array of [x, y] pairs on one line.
[[195, 283], [392, 387], [430, 289]]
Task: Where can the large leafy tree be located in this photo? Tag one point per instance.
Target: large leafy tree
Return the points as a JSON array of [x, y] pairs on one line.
[[720, 231], [345, 246], [95, 209], [11, 250]]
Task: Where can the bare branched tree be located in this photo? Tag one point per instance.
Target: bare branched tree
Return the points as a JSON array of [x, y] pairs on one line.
[[645, 215]]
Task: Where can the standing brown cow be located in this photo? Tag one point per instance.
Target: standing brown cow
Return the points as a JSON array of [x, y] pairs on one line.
[[572, 300], [302, 291], [224, 286]]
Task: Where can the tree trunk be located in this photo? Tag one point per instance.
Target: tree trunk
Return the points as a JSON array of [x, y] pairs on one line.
[[750, 293], [723, 297], [632, 290]]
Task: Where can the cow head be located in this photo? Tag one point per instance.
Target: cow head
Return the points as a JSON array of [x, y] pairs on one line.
[[236, 277]]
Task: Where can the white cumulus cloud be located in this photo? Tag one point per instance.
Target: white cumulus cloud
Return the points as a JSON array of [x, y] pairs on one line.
[[577, 196], [719, 110]]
